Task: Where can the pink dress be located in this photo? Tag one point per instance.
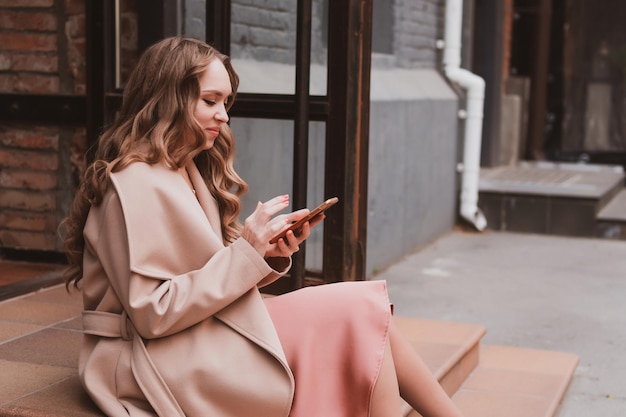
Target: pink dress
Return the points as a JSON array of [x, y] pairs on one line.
[[334, 339]]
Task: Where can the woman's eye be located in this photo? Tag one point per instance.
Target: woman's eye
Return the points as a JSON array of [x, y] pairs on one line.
[[209, 102]]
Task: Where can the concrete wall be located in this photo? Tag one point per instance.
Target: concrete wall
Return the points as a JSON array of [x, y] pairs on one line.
[[412, 188]]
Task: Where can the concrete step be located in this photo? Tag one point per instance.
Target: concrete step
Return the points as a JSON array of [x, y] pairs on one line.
[[516, 382], [489, 381], [40, 337], [450, 349], [547, 198], [611, 220]]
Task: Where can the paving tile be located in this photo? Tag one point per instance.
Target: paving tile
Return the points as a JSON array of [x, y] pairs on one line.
[[10, 330], [56, 295], [54, 347], [490, 404], [19, 378], [64, 399], [73, 324], [528, 360], [36, 312], [519, 382]]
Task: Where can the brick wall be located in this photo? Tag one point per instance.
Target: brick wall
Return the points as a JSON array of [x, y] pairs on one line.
[[264, 30], [419, 23], [42, 51]]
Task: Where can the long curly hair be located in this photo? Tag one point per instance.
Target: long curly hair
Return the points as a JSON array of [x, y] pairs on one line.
[[157, 112]]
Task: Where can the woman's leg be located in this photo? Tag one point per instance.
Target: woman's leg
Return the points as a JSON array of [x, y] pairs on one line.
[[416, 383], [386, 396]]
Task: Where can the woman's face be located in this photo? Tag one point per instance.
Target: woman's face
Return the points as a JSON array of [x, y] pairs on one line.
[[215, 91]]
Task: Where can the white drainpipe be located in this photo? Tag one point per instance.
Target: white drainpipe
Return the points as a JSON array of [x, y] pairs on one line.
[[475, 87]]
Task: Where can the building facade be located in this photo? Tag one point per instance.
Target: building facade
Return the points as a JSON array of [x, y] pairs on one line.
[[414, 146]]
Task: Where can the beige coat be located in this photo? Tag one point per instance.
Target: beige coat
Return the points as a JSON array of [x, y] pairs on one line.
[[153, 252]]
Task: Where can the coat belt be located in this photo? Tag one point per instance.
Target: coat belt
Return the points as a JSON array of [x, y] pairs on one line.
[[152, 384]]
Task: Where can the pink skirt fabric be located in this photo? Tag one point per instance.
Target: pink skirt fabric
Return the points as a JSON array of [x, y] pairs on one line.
[[334, 338]]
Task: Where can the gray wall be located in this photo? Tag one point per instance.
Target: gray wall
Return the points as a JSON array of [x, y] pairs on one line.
[[412, 164]]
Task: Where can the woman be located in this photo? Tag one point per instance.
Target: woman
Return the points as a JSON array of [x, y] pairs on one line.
[[174, 322]]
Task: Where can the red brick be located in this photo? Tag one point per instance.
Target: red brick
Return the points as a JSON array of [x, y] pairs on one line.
[[29, 62], [28, 180], [38, 21], [74, 7], [77, 62], [75, 26], [27, 200], [28, 221], [28, 240], [29, 160], [27, 3], [77, 152], [5, 62], [6, 83], [28, 42], [35, 138], [28, 83]]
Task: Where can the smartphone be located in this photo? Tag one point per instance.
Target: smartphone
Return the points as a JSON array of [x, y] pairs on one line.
[[315, 212]]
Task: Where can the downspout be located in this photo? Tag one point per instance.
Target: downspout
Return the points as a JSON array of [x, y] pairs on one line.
[[472, 136]]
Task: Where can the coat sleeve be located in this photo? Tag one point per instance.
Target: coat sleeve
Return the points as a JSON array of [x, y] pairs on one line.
[[165, 262]]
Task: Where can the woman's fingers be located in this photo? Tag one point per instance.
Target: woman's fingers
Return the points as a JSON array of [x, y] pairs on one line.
[[273, 206]]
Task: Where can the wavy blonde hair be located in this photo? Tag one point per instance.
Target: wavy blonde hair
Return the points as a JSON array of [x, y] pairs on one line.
[[157, 110]]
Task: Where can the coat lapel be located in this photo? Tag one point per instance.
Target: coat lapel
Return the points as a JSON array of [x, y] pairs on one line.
[[207, 201], [258, 326]]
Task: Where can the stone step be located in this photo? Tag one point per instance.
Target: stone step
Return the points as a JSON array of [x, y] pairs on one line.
[[489, 381], [516, 382], [449, 349], [547, 198], [40, 336], [611, 220]]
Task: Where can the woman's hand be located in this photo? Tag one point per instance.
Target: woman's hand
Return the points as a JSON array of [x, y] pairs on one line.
[[290, 244], [259, 228]]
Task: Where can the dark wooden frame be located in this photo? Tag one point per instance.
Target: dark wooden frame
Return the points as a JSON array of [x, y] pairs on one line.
[[345, 110]]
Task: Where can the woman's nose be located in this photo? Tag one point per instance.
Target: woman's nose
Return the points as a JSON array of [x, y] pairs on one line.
[[222, 114]]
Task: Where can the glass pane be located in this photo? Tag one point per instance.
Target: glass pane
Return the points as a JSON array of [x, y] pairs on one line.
[[193, 21], [319, 48], [263, 46], [315, 195], [263, 43], [264, 159]]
